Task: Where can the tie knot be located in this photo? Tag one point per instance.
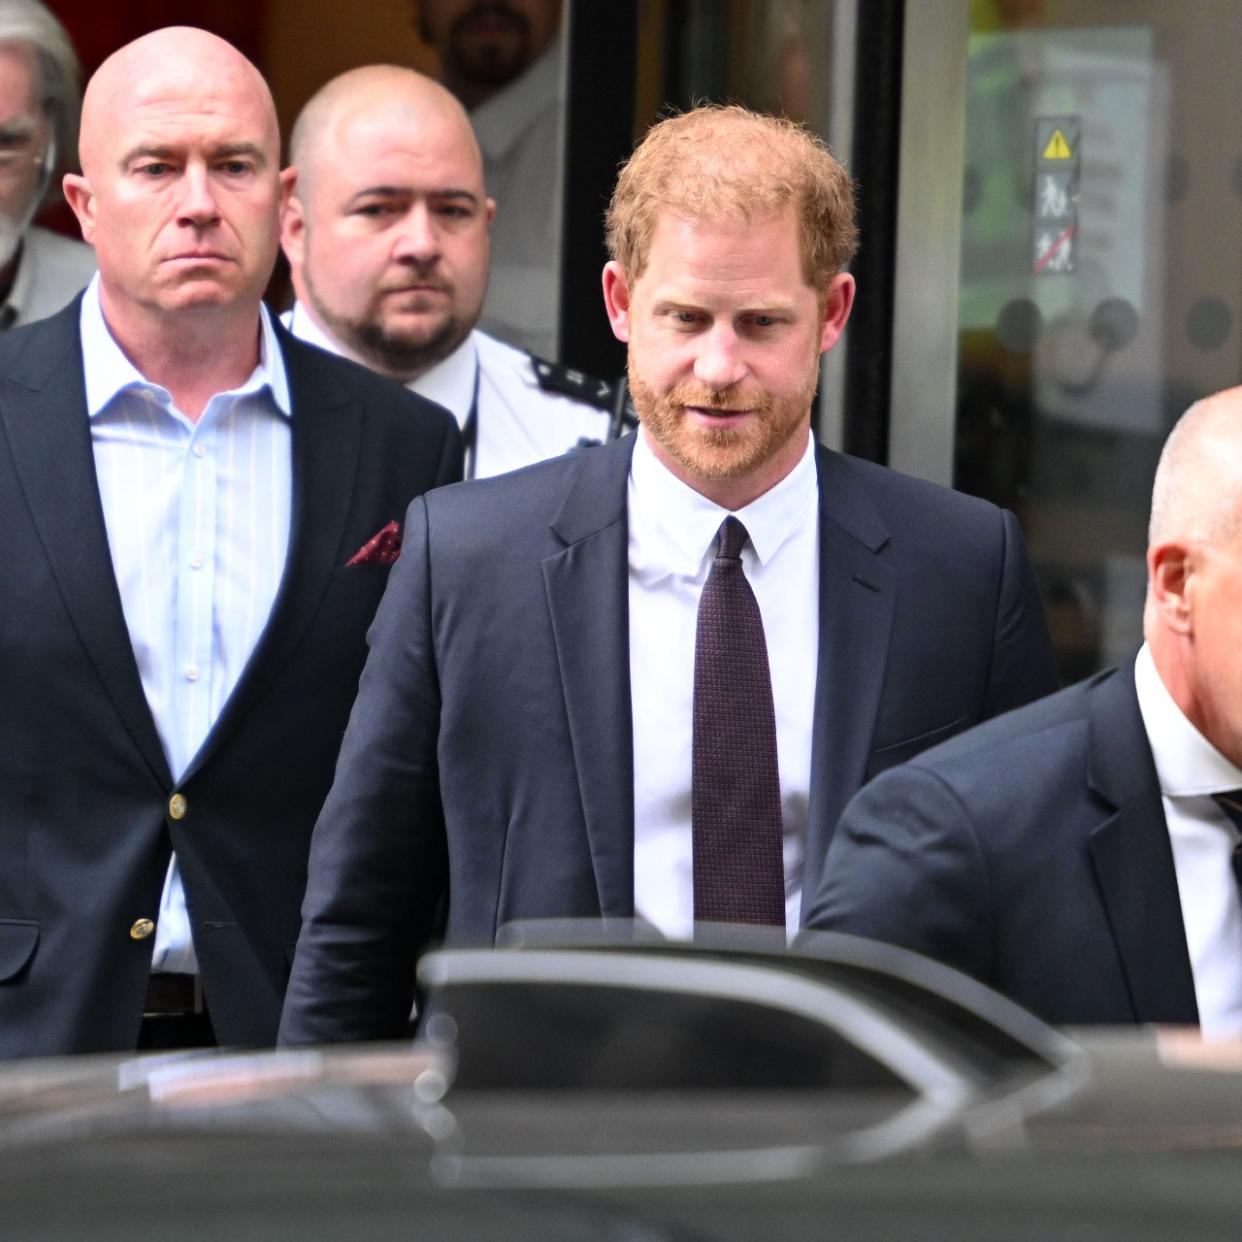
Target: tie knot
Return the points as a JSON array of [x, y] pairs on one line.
[[731, 539]]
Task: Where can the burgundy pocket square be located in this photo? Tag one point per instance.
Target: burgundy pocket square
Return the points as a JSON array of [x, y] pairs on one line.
[[381, 549]]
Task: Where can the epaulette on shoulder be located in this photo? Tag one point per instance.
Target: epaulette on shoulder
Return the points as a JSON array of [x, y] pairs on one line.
[[610, 396]]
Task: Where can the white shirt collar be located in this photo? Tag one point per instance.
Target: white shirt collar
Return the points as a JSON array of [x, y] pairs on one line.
[[688, 521], [506, 116], [452, 383], [109, 372], [1187, 764]]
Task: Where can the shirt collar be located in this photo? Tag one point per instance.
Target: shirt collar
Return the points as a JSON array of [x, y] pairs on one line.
[[1187, 764], [109, 372], [688, 521], [452, 382], [506, 116]]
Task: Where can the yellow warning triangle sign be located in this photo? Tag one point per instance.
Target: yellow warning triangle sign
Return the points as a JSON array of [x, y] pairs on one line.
[[1058, 148]]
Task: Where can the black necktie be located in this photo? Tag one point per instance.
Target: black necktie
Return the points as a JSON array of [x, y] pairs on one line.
[[735, 793], [1231, 803]]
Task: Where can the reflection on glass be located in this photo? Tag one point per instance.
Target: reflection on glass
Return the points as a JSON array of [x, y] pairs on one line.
[[1062, 394]]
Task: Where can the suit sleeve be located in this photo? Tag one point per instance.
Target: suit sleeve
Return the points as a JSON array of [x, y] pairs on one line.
[[905, 867], [377, 870], [1023, 667]]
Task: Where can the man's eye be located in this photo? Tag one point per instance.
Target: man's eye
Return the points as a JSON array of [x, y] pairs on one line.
[[373, 210], [154, 169], [764, 321], [235, 168]]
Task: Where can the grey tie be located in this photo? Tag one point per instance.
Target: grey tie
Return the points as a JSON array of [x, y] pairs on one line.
[[735, 791]]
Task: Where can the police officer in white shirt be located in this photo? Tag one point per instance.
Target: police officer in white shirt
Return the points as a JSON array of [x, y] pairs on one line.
[[387, 236]]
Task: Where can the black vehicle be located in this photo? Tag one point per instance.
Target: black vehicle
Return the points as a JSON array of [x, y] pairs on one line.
[[594, 1088]]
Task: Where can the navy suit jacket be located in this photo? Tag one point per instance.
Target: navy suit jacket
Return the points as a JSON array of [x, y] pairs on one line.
[[1031, 853], [489, 756], [85, 836]]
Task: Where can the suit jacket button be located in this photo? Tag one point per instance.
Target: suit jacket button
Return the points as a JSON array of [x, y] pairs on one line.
[[177, 806], [141, 929]]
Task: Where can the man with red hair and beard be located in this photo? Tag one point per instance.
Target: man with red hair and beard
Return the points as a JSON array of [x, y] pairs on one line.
[[642, 681]]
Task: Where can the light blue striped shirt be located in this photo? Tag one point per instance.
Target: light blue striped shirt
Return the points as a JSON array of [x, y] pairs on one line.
[[197, 516]]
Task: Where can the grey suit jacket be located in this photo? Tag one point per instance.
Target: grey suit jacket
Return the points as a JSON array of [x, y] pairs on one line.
[[488, 761]]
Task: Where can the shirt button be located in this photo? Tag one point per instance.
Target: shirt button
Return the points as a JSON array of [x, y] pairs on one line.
[[199, 451], [196, 561], [177, 806], [191, 672], [141, 929]]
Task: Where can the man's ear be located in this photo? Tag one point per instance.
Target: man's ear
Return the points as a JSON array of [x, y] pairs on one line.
[[838, 302], [1170, 585], [617, 299], [293, 228], [78, 195]]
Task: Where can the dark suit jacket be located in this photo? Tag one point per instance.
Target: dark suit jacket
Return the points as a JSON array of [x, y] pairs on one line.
[[1031, 853], [496, 702], [84, 783]]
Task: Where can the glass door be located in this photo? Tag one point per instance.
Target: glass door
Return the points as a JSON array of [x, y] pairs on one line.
[[1068, 272]]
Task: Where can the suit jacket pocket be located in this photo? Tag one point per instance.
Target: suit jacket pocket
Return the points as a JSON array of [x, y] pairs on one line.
[[890, 756], [18, 938]]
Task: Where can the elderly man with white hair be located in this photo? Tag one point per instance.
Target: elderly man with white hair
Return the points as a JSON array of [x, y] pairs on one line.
[[39, 104]]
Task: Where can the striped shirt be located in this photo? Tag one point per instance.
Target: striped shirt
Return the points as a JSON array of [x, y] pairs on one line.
[[197, 516]]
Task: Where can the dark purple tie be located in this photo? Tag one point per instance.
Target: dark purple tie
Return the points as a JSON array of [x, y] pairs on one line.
[[736, 792], [1231, 803]]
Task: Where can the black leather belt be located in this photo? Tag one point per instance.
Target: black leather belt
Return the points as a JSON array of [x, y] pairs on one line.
[[169, 994]]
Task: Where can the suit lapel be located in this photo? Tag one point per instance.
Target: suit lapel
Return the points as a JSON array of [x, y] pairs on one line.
[[1133, 858], [588, 600], [857, 594], [326, 435], [43, 411]]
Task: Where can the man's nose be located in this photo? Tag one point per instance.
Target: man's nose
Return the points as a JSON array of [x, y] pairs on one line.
[[198, 200], [719, 363], [418, 239]]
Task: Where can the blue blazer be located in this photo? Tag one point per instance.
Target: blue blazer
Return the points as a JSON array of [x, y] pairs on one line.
[[489, 758], [1031, 853], [85, 834]]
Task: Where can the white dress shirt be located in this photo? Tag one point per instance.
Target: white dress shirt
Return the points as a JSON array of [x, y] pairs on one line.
[[672, 541], [1190, 770], [517, 421], [197, 516]]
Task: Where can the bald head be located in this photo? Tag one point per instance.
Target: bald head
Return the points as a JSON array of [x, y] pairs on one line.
[[181, 66], [387, 230], [1193, 616], [1197, 492], [371, 100]]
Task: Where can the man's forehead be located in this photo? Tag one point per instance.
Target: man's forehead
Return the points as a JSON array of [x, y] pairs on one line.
[[395, 156]]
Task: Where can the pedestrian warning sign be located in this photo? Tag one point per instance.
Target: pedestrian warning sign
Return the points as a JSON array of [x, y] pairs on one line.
[[1057, 148], [1054, 205]]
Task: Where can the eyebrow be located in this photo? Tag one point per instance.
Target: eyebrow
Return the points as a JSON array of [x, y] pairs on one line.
[[226, 150]]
